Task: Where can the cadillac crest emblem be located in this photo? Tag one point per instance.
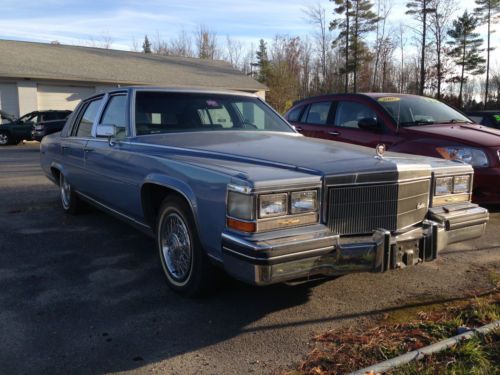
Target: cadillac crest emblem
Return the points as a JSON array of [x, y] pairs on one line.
[[380, 151]]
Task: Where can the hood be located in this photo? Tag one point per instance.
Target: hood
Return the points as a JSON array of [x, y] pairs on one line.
[[6, 116], [256, 153], [467, 134]]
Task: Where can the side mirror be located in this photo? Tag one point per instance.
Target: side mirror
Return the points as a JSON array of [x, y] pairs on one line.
[[369, 123], [105, 131]]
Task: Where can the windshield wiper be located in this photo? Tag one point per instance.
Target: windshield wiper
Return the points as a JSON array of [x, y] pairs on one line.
[[456, 121], [416, 123]]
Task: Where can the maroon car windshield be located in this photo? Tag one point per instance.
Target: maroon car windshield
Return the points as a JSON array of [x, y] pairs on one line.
[[417, 111]]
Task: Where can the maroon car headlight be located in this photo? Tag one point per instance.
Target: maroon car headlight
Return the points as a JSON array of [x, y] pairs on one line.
[[470, 155]]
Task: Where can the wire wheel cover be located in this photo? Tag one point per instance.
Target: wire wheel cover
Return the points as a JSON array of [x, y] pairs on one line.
[[176, 246]]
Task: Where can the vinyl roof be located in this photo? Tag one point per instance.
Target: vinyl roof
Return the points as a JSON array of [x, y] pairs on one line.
[[74, 63]]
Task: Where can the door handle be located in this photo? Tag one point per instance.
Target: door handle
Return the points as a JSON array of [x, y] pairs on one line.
[[298, 128], [334, 133]]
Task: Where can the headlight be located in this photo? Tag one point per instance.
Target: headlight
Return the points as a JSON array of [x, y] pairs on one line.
[[273, 205], [452, 185], [452, 189], [444, 185], [303, 201], [461, 184], [473, 156], [241, 206]]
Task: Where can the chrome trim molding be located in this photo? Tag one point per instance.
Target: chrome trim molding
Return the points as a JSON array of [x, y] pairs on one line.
[[107, 208]]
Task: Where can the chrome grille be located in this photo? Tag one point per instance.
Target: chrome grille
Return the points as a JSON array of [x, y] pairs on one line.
[[362, 209]]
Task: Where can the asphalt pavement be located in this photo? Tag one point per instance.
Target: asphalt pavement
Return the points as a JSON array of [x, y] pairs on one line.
[[85, 294]]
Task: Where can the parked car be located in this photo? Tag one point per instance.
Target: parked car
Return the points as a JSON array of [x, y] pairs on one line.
[[220, 179], [487, 118], [12, 133], [405, 123], [44, 128]]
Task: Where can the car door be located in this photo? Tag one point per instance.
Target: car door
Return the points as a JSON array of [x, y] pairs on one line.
[[73, 147], [347, 125], [314, 119], [23, 126], [108, 164]]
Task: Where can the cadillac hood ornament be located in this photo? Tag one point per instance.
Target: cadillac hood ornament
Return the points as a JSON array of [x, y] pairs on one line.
[[380, 151]]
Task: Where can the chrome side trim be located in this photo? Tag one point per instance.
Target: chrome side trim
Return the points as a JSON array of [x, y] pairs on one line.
[[112, 210]]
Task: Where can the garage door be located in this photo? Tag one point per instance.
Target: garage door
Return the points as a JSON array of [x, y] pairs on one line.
[[61, 97], [8, 98]]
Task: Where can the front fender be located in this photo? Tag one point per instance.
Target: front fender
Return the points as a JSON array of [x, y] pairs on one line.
[[175, 184]]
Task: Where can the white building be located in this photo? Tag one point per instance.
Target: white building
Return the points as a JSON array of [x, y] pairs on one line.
[[38, 76]]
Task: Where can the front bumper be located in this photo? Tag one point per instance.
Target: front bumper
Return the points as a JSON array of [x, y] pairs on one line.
[[37, 135], [294, 254]]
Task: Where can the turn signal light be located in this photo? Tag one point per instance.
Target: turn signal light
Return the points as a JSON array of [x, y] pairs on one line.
[[242, 226]]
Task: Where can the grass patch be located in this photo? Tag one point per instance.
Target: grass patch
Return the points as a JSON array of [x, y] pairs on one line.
[[343, 351], [477, 356]]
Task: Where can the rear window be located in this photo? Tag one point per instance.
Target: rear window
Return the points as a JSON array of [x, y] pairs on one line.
[[165, 112]]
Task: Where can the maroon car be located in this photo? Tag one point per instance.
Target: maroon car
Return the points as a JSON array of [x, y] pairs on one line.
[[405, 123]]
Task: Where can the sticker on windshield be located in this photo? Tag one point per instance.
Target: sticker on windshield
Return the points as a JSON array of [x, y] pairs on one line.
[[389, 99], [497, 118], [212, 103]]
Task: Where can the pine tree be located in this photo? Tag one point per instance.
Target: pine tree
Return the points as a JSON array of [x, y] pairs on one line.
[[343, 23], [355, 20], [466, 47], [146, 46], [262, 61], [420, 9], [489, 13]]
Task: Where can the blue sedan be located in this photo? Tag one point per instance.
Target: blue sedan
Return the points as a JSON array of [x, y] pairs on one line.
[[223, 182]]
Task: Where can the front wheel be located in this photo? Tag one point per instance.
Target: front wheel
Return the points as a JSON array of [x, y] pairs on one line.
[[5, 139], [186, 267], [70, 201]]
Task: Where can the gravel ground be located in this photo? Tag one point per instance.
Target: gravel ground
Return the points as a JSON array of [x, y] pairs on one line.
[[85, 294]]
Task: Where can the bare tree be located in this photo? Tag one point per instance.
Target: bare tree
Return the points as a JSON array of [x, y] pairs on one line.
[[207, 44], [420, 9], [383, 10], [234, 51], [439, 24], [181, 45], [317, 16], [135, 46]]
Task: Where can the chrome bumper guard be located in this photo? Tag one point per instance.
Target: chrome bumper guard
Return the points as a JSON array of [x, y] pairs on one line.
[[263, 260]]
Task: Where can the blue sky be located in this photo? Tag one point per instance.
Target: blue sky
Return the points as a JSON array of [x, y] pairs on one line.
[[81, 22]]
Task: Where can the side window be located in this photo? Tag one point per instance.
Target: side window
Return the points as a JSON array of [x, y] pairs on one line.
[[49, 116], [318, 113], [349, 113], [294, 115], [116, 114], [85, 122]]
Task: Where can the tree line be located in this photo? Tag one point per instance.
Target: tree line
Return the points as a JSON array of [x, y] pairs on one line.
[[355, 48]]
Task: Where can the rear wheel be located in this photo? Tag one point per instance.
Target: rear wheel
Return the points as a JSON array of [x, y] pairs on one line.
[[186, 267], [70, 201]]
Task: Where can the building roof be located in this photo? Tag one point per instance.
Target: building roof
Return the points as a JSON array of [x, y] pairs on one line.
[[74, 63]]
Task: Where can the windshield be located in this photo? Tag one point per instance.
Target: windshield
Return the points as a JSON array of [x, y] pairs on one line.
[[165, 112], [419, 110]]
